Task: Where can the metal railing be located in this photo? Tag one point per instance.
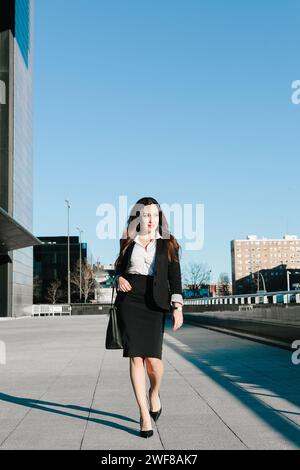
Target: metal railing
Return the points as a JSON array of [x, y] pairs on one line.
[[284, 297], [51, 310]]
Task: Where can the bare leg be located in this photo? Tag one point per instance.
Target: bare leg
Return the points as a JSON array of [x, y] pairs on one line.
[[138, 380], [155, 370]]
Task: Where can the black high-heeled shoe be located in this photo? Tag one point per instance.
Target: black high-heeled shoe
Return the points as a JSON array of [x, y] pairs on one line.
[[147, 433], [154, 414]]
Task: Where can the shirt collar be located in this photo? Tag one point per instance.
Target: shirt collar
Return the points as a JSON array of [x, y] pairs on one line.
[[137, 237]]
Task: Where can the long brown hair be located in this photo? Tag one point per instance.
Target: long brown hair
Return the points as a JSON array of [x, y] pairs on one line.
[[169, 240]]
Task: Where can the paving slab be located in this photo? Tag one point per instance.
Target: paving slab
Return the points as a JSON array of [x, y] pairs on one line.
[[61, 389]]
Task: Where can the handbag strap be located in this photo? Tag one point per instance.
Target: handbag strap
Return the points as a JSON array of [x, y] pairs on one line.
[[112, 296]]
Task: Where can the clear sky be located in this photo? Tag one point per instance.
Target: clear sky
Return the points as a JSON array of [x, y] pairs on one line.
[[185, 101]]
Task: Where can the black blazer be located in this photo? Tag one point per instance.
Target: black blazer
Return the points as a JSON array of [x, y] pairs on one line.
[[167, 275]]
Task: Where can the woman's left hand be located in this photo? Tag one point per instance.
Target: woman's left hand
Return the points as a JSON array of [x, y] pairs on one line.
[[177, 319]]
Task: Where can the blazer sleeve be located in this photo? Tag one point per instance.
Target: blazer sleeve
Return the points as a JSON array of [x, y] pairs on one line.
[[115, 282], [175, 282], [119, 272]]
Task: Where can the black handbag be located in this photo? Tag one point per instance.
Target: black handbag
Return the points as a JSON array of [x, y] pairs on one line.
[[113, 333]]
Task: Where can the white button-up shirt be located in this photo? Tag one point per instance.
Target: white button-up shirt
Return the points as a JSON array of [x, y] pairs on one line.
[[143, 261], [143, 258]]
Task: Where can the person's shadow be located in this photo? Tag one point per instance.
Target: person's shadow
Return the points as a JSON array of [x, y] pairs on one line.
[[41, 405]]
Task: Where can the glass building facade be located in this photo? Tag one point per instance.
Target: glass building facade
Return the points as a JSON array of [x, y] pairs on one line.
[[16, 152], [51, 264]]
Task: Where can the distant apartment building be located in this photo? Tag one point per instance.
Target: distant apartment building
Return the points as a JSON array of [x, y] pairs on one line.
[[50, 263], [265, 264], [220, 289]]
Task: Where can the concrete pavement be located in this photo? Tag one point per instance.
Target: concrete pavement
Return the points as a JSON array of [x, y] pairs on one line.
[[61, 389]]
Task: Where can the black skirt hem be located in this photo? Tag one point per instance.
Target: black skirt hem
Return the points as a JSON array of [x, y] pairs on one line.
[[157, 356]]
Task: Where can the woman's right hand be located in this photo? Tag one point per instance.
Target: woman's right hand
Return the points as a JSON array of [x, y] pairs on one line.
[[123, 284]]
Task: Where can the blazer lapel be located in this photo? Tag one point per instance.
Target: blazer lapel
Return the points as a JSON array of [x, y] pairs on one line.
[[159, 245]]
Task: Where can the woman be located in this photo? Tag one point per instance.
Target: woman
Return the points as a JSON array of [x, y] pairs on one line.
[[148, 280]]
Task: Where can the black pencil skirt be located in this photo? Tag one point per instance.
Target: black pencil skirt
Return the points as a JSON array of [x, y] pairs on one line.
[[142, 322]]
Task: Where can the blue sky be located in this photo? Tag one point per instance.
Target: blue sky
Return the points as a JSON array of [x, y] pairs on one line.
[[186, 101]]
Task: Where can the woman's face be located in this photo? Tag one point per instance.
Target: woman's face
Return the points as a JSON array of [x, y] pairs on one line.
[[149, 219]]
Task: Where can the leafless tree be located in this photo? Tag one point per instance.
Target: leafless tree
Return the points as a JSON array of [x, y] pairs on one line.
[[196, 275], [88, 282], [224, 284], [54, 293]]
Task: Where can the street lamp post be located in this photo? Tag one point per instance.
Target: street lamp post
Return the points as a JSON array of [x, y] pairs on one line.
[[210, 290], [80, 232], [288, 284], [288, 280], [264, 284], [69, 277]]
